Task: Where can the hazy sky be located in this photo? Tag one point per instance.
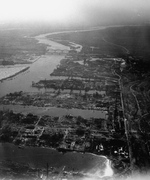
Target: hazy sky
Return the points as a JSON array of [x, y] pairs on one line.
[[76, 11]]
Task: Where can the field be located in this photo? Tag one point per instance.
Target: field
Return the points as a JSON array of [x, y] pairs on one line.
[[113, 41], [18, 46]]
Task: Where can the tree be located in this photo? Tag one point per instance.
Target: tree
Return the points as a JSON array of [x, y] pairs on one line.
[[6, 133], [80, 131]]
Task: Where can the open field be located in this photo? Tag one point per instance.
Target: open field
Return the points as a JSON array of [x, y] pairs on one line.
[[113, 41], [17, 47]]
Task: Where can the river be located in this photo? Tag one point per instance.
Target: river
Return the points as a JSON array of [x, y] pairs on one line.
[[39, 70], [54, 111], [38, 157]]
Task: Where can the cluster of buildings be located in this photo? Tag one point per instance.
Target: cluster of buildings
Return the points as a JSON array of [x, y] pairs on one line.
[[66, 133]]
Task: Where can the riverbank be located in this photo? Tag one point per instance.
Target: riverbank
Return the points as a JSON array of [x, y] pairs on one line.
[[11, 71], [67, 134], [85, 165]]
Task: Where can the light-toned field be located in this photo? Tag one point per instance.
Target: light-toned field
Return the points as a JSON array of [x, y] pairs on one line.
[[9, 71]]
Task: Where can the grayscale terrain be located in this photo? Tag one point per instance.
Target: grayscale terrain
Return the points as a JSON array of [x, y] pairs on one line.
[[74, 89]]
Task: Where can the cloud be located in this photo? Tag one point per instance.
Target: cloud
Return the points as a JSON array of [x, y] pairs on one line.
[[75, 11]]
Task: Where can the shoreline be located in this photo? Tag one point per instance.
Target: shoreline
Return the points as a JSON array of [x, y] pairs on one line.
[[13, 75], [108, 162]]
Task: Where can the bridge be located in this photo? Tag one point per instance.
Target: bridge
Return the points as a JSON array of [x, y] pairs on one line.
[[58, 51]]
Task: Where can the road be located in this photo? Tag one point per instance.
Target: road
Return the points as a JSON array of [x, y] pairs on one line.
[[133, 93], [122, 47], [126, 121]]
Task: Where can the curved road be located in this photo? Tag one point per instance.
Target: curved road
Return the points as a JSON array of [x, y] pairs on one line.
[[122, 47]]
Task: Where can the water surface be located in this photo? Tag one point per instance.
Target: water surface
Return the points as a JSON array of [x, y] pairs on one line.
[[37, 157]]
